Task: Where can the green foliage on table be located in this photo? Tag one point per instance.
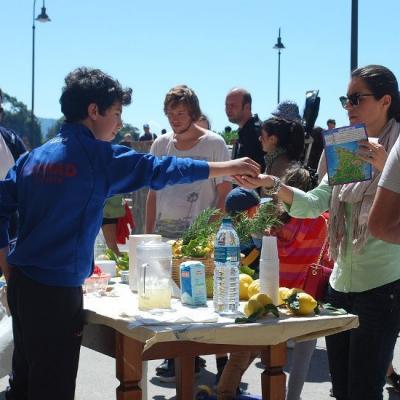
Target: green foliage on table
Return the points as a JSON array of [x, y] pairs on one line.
[[265, 218], [204, 227], [121, 261]]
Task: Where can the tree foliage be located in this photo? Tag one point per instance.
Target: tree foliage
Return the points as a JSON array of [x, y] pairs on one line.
[[127, 128], [18, 118], [54, 129]]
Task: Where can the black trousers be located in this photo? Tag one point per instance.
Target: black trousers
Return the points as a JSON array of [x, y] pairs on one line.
[[47, 329], [359, 358]]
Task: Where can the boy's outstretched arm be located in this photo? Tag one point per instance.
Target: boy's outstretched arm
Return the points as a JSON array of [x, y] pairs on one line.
[[240, 166]]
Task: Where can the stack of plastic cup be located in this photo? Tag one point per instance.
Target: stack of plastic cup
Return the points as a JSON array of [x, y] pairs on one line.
[[269, 268]]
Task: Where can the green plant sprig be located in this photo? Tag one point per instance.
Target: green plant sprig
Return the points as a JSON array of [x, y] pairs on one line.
[[205, 226]]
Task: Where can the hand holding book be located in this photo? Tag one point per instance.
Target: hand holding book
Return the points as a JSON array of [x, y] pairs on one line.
[[373, 152], [343, 162]]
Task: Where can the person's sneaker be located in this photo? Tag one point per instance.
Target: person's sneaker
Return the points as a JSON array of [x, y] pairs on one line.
[[168, 375], [201, 361], [163, 366], [394, 380]]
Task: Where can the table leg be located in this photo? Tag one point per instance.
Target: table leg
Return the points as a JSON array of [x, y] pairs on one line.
[[128, 355], [273, 379], [184, 372]]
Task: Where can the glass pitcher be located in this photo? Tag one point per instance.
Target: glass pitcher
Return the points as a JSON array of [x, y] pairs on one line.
[[154, 261]]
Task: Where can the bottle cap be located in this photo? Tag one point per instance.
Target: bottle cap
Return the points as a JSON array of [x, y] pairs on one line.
[[269, 250]]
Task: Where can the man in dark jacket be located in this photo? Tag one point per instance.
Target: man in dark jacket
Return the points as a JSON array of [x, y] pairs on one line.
[[238, 111]]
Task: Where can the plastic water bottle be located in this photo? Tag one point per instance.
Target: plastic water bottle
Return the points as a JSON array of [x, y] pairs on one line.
[[226, 272]]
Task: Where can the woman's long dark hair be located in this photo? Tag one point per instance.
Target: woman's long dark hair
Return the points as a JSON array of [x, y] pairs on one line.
[[381, 81], [290, 136]]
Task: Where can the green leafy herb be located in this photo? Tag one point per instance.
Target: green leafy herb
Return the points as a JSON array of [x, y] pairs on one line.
[[204, 226], [265, 218]]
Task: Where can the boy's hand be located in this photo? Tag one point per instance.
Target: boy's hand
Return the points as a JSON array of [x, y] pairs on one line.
[[242, 166], [245, 166]]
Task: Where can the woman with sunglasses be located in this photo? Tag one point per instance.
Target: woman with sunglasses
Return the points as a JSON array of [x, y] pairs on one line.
[[366, 276]]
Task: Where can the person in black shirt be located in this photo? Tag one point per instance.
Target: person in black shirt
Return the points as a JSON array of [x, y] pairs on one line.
[[147, 136], [238, 111]]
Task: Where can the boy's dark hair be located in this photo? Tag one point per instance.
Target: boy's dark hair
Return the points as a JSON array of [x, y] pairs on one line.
[[85, 86], [183, 94], [331, 121]]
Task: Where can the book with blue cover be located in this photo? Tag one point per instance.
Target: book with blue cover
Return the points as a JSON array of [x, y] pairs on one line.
[[342, 162]]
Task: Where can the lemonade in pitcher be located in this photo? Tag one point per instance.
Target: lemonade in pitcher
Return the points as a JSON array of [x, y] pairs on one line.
[[155, 298], [154, 283]]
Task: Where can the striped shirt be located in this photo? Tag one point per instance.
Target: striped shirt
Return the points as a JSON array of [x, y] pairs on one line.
[[299, 245]]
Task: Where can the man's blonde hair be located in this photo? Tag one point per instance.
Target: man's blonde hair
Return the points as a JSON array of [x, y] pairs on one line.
[[183, 94]]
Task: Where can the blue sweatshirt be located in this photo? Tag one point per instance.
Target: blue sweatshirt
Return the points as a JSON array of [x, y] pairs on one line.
[[59, 190]]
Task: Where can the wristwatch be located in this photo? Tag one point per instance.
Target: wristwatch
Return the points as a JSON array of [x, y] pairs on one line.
[[274, 189]]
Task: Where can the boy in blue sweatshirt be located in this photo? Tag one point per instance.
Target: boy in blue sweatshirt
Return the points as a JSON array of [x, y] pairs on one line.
[[59, 190]]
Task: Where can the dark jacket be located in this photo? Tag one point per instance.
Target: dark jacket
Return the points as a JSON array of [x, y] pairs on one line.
[[248, 144], [59, 190], [13, 141]]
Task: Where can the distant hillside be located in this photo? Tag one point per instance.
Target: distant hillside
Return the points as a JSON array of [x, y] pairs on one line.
[[45, 125]]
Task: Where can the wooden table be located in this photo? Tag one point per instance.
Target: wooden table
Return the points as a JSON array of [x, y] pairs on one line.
[[113, 335]]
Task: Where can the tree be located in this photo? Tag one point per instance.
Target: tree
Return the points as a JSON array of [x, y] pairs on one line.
[[18, 118], [54, 129], [127, 128]]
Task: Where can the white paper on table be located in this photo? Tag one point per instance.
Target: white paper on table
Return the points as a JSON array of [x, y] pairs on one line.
[[179, 314]]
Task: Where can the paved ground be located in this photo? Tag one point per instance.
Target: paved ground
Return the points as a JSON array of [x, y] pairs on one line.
[[96, 378]]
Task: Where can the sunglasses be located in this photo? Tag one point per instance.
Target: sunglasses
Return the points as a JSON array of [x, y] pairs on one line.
[[353, 99]]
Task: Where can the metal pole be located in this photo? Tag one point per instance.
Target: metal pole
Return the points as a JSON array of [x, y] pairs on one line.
[[354, 35], [30, 136], [279, 74]]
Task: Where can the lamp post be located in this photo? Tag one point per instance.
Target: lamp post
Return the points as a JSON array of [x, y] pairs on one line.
[[279, 46], [42, 17], [354, 35]]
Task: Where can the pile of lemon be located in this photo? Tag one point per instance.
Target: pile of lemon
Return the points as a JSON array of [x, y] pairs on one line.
[[259, 304]]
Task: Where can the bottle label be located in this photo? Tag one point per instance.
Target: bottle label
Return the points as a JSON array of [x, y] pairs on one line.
[[224, 254]]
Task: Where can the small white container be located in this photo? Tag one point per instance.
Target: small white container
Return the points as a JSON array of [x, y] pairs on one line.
[[124, 277], [107, 266]]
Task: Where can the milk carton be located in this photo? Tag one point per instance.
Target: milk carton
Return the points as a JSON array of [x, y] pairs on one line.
[[193, 283]]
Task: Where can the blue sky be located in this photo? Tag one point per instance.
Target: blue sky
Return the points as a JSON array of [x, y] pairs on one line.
[[209, 45]]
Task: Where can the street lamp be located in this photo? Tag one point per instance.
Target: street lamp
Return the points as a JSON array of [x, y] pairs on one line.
[[354, 35], [279, 46], [42, 17]]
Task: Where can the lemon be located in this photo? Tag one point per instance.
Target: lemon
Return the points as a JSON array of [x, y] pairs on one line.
[[251, 307], [244, 282], [102, 257], [307, 304], [283, 294], [262, 298], [254, 288]]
